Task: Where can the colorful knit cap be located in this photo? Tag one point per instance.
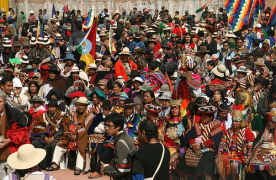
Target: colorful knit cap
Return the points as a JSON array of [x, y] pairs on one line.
[[250, 77], [102, 82], [242, 83], [123, 96], [191, 63]]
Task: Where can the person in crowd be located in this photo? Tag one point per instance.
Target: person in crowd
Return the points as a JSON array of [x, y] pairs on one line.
[[54, 80], [156, 165], [29, 166], [14, 133], [47, 132], [235, 149], [171, 67], [120, 166], [203, 140]]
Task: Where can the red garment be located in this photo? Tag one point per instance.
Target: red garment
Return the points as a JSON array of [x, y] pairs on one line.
[[171, 25], [44, 67], [120, 70], [156, 47], [177, 31], [192, 45], [18, 136], [93, 79], [261, 32], [68, 33]]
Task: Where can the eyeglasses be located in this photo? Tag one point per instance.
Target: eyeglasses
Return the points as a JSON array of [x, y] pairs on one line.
[[108, 126]]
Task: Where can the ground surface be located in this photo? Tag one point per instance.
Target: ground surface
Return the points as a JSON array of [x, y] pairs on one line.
[[69, 175]]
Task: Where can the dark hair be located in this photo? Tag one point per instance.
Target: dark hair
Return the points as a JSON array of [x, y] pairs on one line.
[[184, 39], [81, 65], [224, 42], [117, 119], [134, 8], [221, 93], [152, 65], [31, 83], [151, 93], [5, 80], [256, 42], [212, 63], [119, 85], [78, 25], [150, 129]]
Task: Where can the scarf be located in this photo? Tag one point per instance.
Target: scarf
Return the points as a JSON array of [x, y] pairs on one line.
[[206, 135], [97, 107], [10, 100], [240, 139]]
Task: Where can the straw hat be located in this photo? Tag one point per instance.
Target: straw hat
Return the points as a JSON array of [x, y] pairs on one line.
[[117, 12], [231, 34], [150, 30], [260, 61], [219, 70], [125, 51], [26, 157], [75, 69], [58, 37], [82, 100]]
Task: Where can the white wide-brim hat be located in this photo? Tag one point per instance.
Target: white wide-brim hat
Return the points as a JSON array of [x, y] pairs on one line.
[[26, 157]]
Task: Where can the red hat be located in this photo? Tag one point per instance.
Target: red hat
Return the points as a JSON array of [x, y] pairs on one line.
[[2, 21], [77, 94], [31, 75]]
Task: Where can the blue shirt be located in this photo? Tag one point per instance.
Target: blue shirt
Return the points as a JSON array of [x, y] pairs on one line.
[[134, 44], [45, 17], [232, 54]]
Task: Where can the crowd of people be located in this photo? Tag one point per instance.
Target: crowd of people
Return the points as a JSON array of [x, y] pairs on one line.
[[176, 98]]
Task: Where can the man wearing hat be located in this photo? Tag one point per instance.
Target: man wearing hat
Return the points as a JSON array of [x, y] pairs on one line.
[[69, 63], [174, 38], [36, 109], [164, 100], [49, 131], [78, 141], [40, 51], [53, 80], [132, 119], [7, 54], [152, 113], [136, 43], [45, 17], [92, 73], [259, 34], [32, 17], [124, 66], [103, 39], [74, 78]]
